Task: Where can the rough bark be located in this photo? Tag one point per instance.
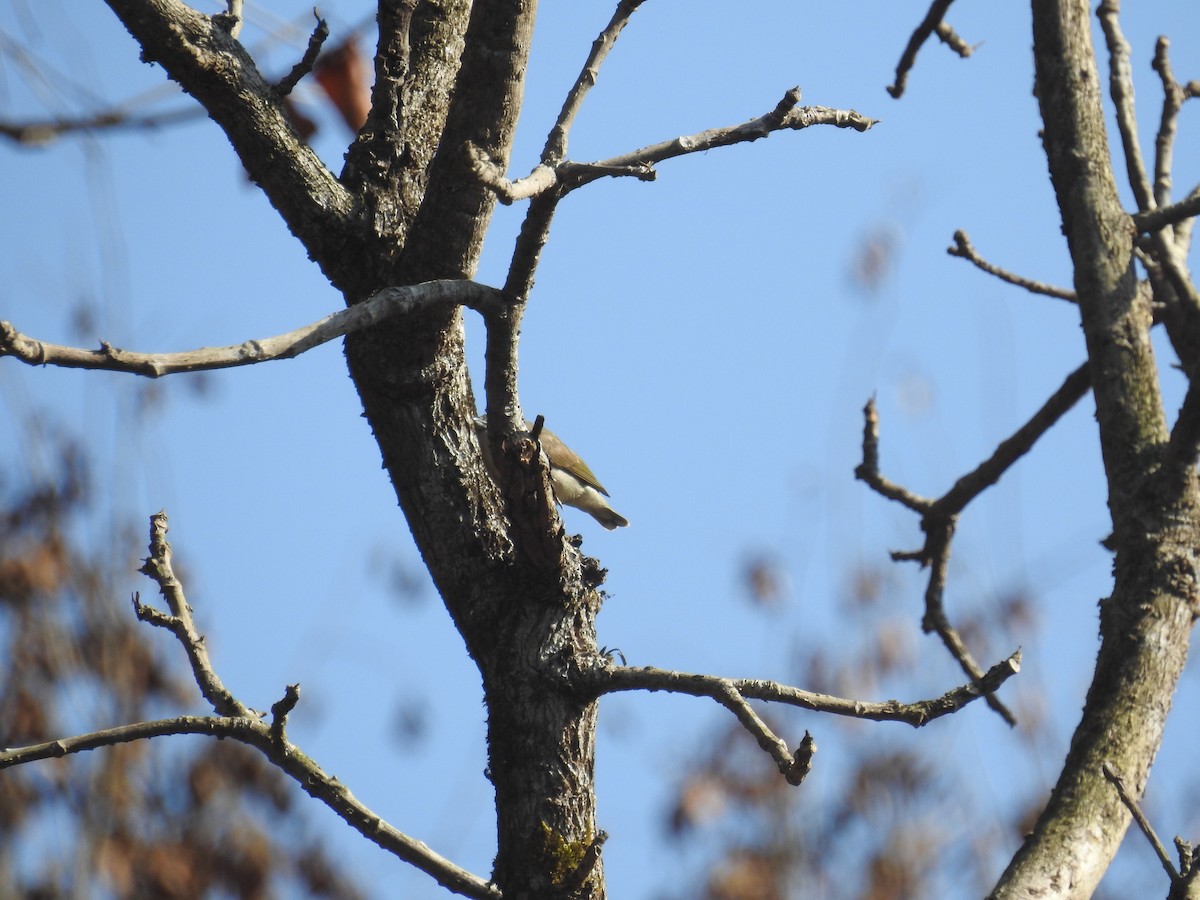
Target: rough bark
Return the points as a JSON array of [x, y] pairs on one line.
[[407, 209], [1146, 623]]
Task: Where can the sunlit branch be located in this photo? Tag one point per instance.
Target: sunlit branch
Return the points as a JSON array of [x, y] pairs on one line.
[[951, 38], [556, 142], [567, 176], [256, 733], [929, 26], [784, 117], [1120, 81], [180, 623], [964, 249], [388, 302]]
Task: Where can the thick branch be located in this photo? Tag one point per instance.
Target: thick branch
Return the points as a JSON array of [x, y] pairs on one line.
[[389, 302], [1145, 624], [199, 52]]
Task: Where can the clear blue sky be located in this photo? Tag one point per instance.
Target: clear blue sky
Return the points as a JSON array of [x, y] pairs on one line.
[[700, 340]]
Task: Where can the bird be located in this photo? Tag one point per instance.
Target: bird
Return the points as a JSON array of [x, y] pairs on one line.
[[573, 482]]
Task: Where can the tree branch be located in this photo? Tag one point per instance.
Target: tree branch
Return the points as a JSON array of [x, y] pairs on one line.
[[1152, 220], [868, 469], [964, 249], [199, 52], [939, 517], [316, 783], [158, 567], [238, 722], [1164, 139], [567, 176], [1120, 81], [394, 301], [307, 61], [1146, 622], [1118, 783], [1012, 448], [929, 25], [556, 141], [34, 133], [612, 679]]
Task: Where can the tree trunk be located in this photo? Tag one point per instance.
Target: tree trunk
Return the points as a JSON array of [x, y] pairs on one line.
[[1146, 623]]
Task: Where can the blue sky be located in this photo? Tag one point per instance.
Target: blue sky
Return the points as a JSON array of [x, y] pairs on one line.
[[700, 340]]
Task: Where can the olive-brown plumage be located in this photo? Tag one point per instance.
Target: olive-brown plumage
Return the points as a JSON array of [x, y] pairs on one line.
[[574, 483]]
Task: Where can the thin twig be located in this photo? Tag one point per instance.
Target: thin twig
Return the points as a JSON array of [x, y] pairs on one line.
[[786, 115], [314, 780], [1120, 82], [556, 141], [612, 679], [1016, 445], [964, 249], [1164, 140], [868, 469], [384, 304], [939, 532], [937, 11], [43, 132], [158, 567], [1117, 781], [239, 722], [316, 40], [939, 517], [728, 696], [568, 175]]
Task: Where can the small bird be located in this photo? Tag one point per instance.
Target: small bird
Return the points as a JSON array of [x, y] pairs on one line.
[[573, 482]]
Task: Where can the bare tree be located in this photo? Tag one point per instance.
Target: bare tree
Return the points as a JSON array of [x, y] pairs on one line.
[[399, 233]]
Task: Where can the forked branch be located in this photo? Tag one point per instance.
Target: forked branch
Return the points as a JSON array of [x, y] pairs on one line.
[[932, 24], [939, 517], [732, 693], [236, 721]]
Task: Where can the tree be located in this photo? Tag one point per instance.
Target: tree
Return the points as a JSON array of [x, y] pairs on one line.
[[399, 233]]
